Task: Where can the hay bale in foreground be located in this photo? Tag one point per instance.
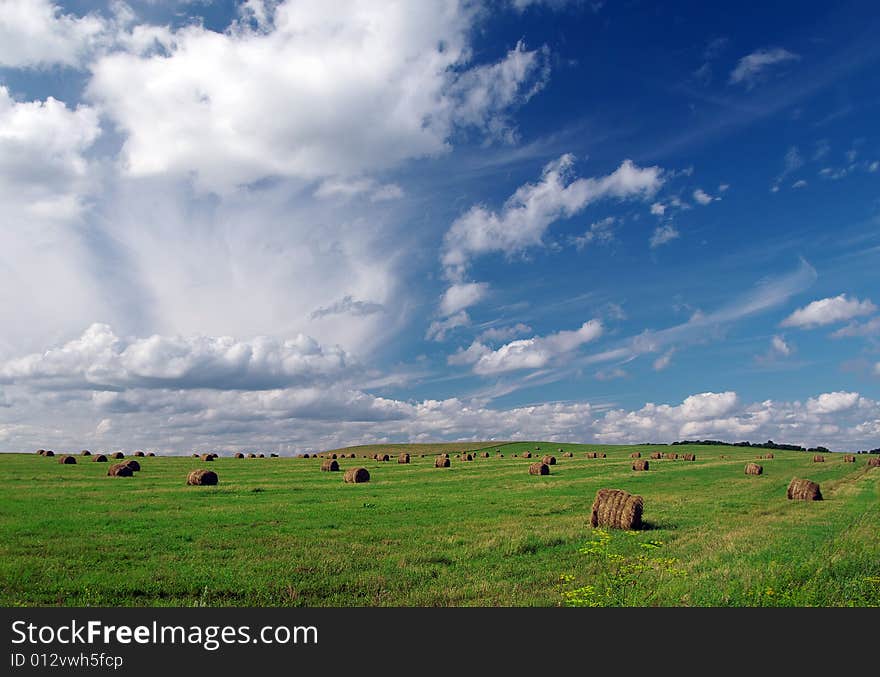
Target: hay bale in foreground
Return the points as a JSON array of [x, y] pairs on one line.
[[329, 465], [689, 457], [849, 458], [549, 460], [874, 462], [238, 454], [134, 465], [617, 509], [754, 469], [202, 478], [656, 456], [527, 454], [403, 458], [119, 470], [803, 490], [539, 468], [85, 452], [99, 458], [441, 461], [640, 465], [818, 458], [139, 453], [357, 476], [207, 457], [636, 454], [67, 460], [118, 454]]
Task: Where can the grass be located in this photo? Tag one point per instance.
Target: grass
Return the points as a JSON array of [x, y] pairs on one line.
[[278, 532]]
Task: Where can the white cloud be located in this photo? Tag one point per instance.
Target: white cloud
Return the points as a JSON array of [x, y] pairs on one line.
[[703, 197], [658, 209], [36, 33], [869, 328], [828, 311], [534, 353], [662, 235], [504, 333], [348, 188], [528, 213], [663, 361], [874, 166], [104, 426], [779, 346], [722, 187], [752, 67], [438, 329], [708, 405], [600, 231], [462, 295], [348, 306], [392, 81], [610, 374], [800, 183], [831, 403], [100, 360]]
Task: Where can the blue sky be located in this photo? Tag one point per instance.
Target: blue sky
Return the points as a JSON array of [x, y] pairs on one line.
[[298, 225]]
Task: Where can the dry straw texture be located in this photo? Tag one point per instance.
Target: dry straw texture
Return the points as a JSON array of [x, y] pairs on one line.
[[441, 461], [689, 457], [769, 456], [382, 457], [527, 454], [592, 454], [656, 455], [567, 454], [849, 458], [467, 457], [238, 454], [139, 453], [818, 458], [99, 458], [672, 456], [874, 462], [118, 454], [85, 452], [134, 465], [66, 460], [640, 465], [539, 469], [403, 458], [636, 454], [549, 460], [207, 457], [202, 477], [803, 490], [119, 470], [754, 469], [329, 465], [357, 475], [616, 509]]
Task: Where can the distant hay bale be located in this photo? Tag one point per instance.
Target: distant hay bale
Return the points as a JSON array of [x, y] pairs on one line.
[[617, 509], [48, 452], [194, 455], [118, 454], [636, 454], [403, 458], [539, 468], [67, 460], [207, 457], [467, 457], [754, 469], [527, 454], [305, 455], [514, 455], [559, 451], [273, 455], [444, 453], [329, 465], [202, 478], [537, 448], [689, 457], [120, 470], [261, 455], [874, 462], [849, 458], [640, 465], [85, 452], [352, 455], [41, 452], [332, 455], [502, 455], [656, 455], [441, 461], [672, 456], [567, 454], [803, 490], [139, 453], [99, 458], [150, 453], [549, 460], [383, 457], [134, 465], [238, 454], [769, 456], [602, 455], [818, 458], [251, 455], [485, 454], [357, 476], [592, 454]]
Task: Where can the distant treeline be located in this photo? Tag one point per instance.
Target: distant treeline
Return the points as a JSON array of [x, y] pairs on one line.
[[769, 444]]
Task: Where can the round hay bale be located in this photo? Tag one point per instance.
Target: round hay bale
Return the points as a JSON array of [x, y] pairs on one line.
[[120, 470], [640, 465], [99, 458], [485, 454], [150, 453], [357, 476], [329, 465], [441, 462], [818, 458], [139, 453], [332, 455], [514, 455], [617, 509], [527, 454], [559, 451], [202, 478], [849, 458], [591, 454], [305, 455], [67, 460], [134, 465], [656, 456], [85, 452], [445, 454], [207, 457], [539, 468], [803, 490], [238, 454], [261, 456], [117, 454], [48, 452], [636, 454], [41, 452], [351, 455], [502, 455], [251, 455], [467, 457], [383, 457], [689, 457], [603, 455], [874, 462], [672, 456], [403, 458], [273, 455], [549, 460], [194, 456], [769, 456], [754, 469], [567, 454]]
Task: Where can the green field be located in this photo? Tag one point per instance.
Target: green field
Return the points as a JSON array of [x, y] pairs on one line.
[[279, 532]]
